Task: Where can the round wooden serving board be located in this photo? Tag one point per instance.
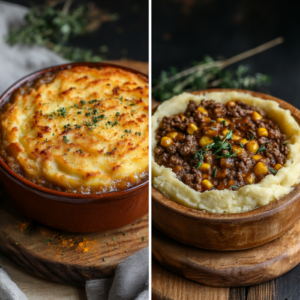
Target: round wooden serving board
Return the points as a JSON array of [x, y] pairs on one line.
[[230, 268], [66, 257]]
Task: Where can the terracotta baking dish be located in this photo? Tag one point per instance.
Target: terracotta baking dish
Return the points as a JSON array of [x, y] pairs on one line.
[[67, 211], [225, 232]]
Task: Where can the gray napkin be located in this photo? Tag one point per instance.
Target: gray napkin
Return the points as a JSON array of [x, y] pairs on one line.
[[8, 289], [131, 278], [130, 281]]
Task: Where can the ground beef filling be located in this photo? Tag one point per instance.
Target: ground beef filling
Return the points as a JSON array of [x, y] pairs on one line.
[[217, 146]]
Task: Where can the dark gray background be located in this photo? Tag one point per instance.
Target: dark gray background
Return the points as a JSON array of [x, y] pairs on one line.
[[125, 38], [186, 30]]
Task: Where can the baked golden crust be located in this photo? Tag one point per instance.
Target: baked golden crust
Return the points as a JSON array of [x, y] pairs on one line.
[[248, 197], [84, 132]]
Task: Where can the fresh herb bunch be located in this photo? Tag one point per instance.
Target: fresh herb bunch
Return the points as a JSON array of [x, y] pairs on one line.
[[53, 28], [209, 75], [217, 146]]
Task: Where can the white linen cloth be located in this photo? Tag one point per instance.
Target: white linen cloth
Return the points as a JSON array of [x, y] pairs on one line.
[[131, 278]]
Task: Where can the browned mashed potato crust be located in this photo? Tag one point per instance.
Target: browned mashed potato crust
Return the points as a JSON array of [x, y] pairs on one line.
[[85, 131]]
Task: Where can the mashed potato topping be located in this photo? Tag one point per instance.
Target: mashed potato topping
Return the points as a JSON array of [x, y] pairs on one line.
[[86, 131], [245, 198]]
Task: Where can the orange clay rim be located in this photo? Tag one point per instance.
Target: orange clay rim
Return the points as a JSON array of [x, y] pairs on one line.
[[23, 181]]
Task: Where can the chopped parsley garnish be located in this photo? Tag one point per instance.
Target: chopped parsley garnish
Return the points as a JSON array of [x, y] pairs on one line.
[[66, 139], [273, 171], [224, 122], [69, 149], [94, 101], [82, 102], [121, 99], [215, 172], [242, 146], [117, 114], [62, 112], [131, 104], [252, 136], [127, 131], [235, 187], [261, 149], [53, 134], [88, 114], [79, 113], [77, 126], [76, 105], [284, 144], [138, 133], [80, 151], [26, 108], [68, 126], [122, 136], [143, 238], [95, 111]]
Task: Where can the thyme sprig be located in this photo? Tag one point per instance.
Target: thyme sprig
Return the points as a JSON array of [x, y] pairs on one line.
[[53, 25], [210, 73], [217, 146]]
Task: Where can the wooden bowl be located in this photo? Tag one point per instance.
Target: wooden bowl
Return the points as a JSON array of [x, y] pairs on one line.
[[226, 232], [68, 211]]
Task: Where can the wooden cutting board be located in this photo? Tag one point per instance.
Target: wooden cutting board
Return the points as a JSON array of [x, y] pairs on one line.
[[229, 268], [67, 257]]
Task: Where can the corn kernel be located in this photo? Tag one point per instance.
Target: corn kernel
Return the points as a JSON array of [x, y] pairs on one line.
[[205, 140], [231, 182], [250, 178], [166, 141], [252, 146], [262, 132], [243, 141], [191, 128], [172, 135], [225, 131], [256, 116], [211, 132], [235, 137], [230, 104], [202, 110], [239, 151], [205, 167], [260, 169], [277, 167], [177, 169], [221, 120], [206, 119], [206, 184], [182, 118], [256, 157]]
